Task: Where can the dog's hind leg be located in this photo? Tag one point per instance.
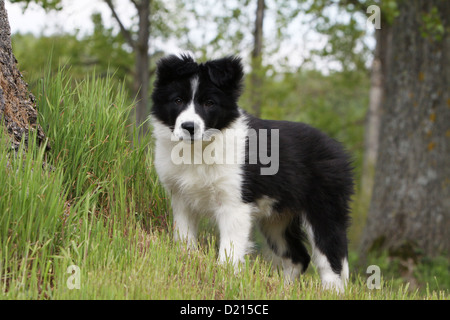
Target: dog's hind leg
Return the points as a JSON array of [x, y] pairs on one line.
[[329, 255], [285, 237]]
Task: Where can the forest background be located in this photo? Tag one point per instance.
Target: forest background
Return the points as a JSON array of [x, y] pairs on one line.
[[320, 62]]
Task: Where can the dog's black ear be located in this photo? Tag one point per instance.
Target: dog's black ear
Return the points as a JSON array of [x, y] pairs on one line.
[[226, 73], [175, 67]]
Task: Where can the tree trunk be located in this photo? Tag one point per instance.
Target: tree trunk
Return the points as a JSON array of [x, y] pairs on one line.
[[256, 77], [383, 38], [410, 207], [142, 60], [17, 104], [142, 66]]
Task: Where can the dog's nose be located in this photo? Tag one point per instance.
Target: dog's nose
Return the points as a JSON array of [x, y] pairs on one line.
[[189, 126]]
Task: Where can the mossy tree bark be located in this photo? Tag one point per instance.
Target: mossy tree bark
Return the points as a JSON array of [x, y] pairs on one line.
[[410, 207], [17, 104]]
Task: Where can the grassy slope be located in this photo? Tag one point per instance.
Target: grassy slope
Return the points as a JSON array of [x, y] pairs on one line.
[[100, 208]]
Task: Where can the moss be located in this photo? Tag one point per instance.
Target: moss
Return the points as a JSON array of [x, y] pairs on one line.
[[405, 251], [377, 245]]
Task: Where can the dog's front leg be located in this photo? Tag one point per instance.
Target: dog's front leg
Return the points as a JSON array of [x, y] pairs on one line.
[[185, 223], [235, 223]]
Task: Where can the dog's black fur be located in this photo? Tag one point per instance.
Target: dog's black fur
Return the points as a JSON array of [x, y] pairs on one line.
[[314, 183]]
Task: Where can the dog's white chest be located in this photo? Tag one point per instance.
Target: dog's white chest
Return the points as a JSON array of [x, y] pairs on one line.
[[203, 187]]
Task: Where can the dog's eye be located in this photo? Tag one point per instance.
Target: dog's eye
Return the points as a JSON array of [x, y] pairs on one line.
[[208, 103], [178, 101]]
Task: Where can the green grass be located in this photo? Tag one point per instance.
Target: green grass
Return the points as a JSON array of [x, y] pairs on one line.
[[94, 201]]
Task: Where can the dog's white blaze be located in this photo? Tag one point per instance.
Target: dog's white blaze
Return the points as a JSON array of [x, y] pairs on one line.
[[189, 115], [194, 87]]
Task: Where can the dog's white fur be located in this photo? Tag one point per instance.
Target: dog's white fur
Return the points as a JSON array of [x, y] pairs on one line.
[[205, 190]]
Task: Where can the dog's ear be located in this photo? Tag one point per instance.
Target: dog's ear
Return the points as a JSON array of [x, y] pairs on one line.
[[175, 67], [226, 73]]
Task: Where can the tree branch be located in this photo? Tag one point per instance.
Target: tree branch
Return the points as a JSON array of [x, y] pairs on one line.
[[135, 4], [126, 34]]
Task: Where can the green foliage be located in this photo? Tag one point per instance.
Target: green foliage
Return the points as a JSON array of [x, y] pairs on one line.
[[344, 41], [107, 50], [46, 4], [101, 51], [432, 273], [390, 10], [32, 53], [164, 11], [343, 23], [432, 26], [423, 274]]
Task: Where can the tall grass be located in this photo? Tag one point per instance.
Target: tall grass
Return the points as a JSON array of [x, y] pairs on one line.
[[95, 182], [31, 206], [94, 201], [92, 141]]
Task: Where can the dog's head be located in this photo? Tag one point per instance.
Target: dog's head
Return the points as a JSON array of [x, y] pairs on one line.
[[191, 98]]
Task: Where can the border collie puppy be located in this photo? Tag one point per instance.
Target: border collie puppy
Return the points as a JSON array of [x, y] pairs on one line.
[[220, 162]]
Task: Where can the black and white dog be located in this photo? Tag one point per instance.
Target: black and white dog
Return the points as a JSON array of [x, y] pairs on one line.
[[220, 162]]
